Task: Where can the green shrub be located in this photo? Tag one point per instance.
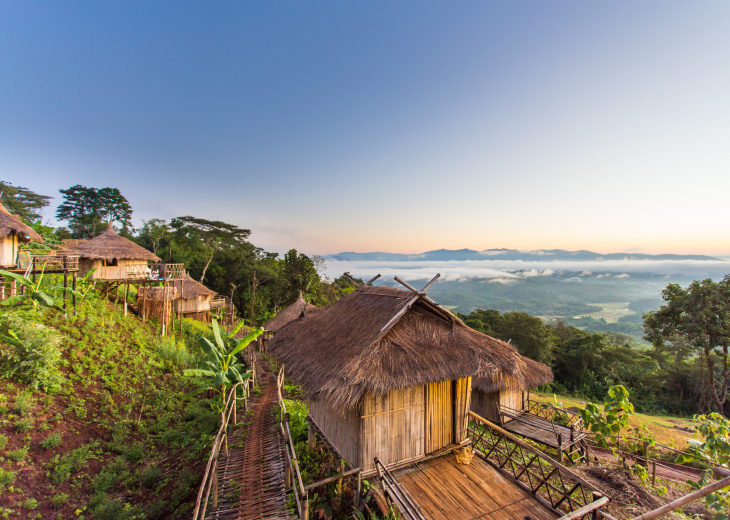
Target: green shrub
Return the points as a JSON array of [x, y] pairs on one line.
[[59, 499], [150, 476], [52, 441], [64, 466], [24, 403], [297, 419], [30, 503], [3, 441], [34, 357], [104, 480], [19, 454], [24, 425], [7, 477], [174, 354]]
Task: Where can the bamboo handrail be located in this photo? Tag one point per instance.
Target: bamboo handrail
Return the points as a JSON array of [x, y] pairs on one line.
[[392, 488], [211, 470], [588, 508], [332, 479], [291, 454]]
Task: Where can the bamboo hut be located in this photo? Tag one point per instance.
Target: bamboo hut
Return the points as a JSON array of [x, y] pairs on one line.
[[157, 302], [193, 300], [490, 396], [13, 232], [298, 309], [387, 374], [114, 257]]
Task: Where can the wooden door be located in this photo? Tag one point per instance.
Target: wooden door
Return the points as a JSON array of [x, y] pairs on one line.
[[439, 415]]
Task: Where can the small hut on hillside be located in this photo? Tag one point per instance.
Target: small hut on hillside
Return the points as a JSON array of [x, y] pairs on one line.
[[193, 300], [510, 393], [114, 257], [12, 232], [387, 373], [296, 310]]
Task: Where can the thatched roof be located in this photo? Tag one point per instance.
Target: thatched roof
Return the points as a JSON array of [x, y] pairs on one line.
[[109, 246], [295, 311], [378, 338], [193, 288], [11, 224], [531, 374]]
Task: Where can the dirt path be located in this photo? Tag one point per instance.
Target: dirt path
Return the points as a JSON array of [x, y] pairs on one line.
[[251, 480], [665, 470]]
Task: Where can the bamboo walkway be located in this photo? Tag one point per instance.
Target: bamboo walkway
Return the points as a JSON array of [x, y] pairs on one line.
[[251, 478]]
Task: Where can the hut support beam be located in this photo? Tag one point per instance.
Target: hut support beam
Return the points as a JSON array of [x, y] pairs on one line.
[[126, 294]]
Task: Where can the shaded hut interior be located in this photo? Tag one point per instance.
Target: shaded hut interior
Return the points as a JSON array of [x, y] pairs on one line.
[[388, 373]]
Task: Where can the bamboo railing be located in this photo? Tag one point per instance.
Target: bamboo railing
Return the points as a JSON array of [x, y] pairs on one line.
[[300, 493], [210, 479], [548, 481], [405, 504], [47, 260]]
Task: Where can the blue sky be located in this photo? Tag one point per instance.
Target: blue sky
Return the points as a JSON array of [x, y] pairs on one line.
[[398, 126]]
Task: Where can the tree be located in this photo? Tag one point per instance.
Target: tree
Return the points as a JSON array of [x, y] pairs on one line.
[[212, 234], [87, 210], [155, 234], [700, 316], [23, 202], [300, 274]]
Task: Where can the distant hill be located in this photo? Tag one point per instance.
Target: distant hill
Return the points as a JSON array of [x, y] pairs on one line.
[[508, 254]]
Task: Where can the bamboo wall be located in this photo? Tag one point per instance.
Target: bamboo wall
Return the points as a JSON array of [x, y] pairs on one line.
[[486, 404], [462, 403], [8, 250], [194, 304], [127, 268], [393, 426], [343, 431], [439, 415]]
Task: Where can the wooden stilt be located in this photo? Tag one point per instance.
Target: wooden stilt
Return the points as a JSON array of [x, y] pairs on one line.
[[126, 294], [73, 295], [2, 289], [13, 288], [311, 438]]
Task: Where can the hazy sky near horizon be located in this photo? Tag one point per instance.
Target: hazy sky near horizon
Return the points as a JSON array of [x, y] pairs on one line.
[[383, 126]]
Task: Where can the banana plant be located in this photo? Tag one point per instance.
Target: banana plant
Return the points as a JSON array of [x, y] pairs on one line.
[[221, 363], [33, 292]]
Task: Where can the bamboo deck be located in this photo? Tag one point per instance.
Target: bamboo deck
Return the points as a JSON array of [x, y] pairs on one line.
[[447, 490], [540, 430]]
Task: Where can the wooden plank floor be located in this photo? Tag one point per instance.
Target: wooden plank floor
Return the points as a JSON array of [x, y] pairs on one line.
[[544, 432], [447, 490]]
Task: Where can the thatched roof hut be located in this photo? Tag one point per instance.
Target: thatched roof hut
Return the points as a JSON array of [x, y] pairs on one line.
[[387, 360], [114, 257], [12, 231], [296, 310], [193, 299]]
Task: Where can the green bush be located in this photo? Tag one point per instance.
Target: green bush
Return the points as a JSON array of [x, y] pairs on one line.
[[24, 425], [3, 441], [52, 441], [150, 476], [66, 465], [19, 454], [59, 499], [7, 477], [297, 419], [30, 503], [24, 403], [174, 354], [32, 358]]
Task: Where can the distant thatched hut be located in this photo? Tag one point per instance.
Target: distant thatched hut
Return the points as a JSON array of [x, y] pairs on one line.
[[387, 373], [296, 310], [114, 257], [193, 300], [12, 232], [510, 393]]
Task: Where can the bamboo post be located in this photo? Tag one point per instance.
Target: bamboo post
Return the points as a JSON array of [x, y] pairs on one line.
[[13, 289], [305, 507], [287, 475], [215, 487], [311, 438], [65, 288], [73, 295], [653, 473], [126, 295], [2, 288], [358, 490], [560, 448]]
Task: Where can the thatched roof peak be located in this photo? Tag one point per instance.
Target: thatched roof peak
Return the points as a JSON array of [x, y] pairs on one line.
[[109, 246], [380, 338], [11, 224], [193, 288], [296, 310]]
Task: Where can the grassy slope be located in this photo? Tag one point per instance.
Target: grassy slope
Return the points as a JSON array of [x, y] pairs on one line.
[[123, 444]]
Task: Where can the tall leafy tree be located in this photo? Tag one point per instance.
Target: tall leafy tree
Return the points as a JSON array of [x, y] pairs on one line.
[[87, 210], [300, 274], [23, 202], [700, 316], [213, 235]]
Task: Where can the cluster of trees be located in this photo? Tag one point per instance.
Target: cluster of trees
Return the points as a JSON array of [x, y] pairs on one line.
[[684, 371], [216, 253]]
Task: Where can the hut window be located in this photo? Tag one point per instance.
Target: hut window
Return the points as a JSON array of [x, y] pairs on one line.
[[110, 263]]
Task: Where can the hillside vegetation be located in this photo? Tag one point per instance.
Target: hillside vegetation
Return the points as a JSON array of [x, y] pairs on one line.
[[93, 422]]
